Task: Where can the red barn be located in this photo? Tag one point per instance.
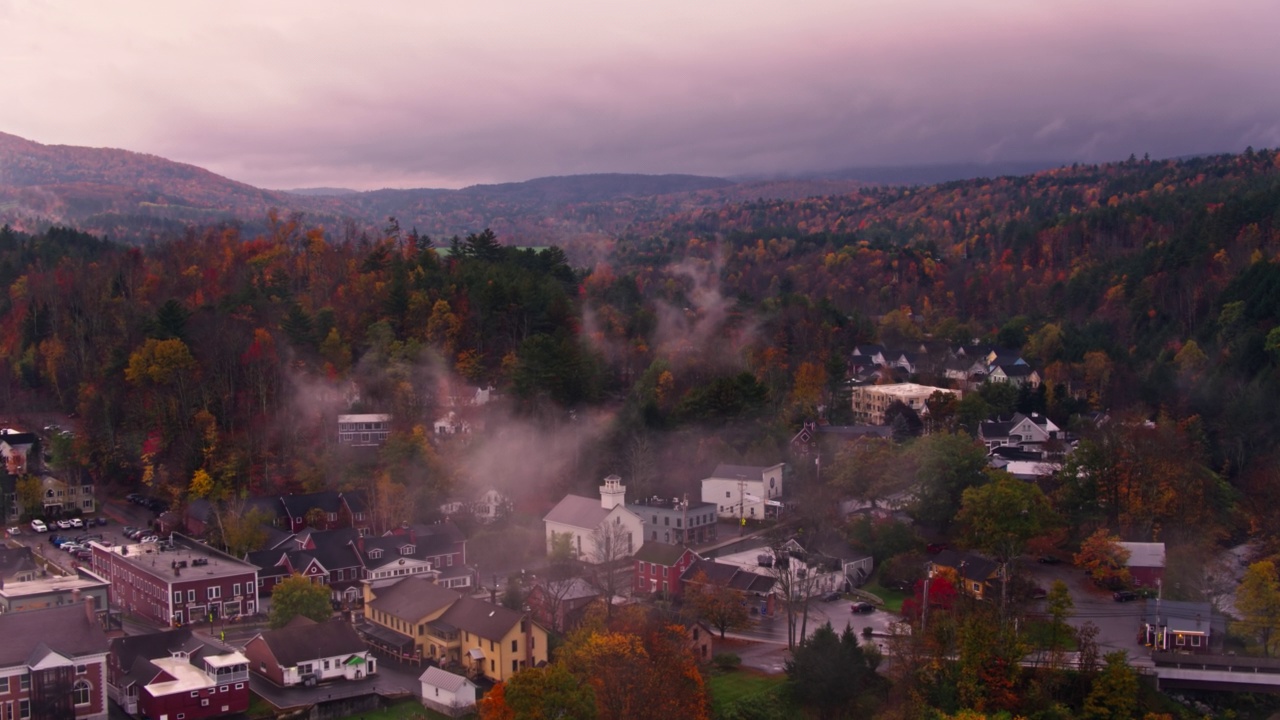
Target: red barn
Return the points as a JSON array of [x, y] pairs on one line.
[[1146, 563]]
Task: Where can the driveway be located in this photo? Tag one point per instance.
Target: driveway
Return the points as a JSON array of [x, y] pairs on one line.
[[1118, 622]]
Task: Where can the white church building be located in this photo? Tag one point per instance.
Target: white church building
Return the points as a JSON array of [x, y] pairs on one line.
[[581, 517]]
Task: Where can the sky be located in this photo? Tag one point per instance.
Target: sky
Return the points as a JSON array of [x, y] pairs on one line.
[[427, 93]]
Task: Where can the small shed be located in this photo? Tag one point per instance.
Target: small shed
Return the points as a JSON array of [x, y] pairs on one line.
[[1146, 562], [447, 693]]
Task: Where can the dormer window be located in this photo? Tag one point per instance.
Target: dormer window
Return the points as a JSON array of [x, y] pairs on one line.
[[375, 553], [408, 549]]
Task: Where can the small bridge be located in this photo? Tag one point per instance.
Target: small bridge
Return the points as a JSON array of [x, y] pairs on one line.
[[1216, 672]]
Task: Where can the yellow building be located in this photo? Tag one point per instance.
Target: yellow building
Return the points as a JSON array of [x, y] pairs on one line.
[[416, 617]]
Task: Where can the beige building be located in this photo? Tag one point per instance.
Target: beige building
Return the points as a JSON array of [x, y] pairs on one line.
[[870, 401]]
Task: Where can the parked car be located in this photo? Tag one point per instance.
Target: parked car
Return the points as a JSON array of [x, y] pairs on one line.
[[135, 498], [1124, 596], [1037, 593], [100, 521], [1049, 559], [831, 596], [84, 555], [76, 522], [15, 530], [64, 524], [149, 538], [71, 546], [862, 607], [38, 526], [935, 548], [58, 540]]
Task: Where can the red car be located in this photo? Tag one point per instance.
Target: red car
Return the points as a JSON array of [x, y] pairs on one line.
[[862, 607]]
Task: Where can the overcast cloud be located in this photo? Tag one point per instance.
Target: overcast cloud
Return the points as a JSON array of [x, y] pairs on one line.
[[444, 94]]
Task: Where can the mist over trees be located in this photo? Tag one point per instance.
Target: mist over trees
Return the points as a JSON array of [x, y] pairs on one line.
[[214, 365]]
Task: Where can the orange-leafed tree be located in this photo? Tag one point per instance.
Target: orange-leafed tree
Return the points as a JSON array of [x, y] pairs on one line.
[[540, 694], [1102, 556], [717, 604]]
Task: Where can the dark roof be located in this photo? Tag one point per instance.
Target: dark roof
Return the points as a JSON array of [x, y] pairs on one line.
[[412, 598], [335, 548], [1010, 452], [329, 501], [15, 439], [968, 565], [750, 582], [200, 509], [868, 349], [995, 428], [751, 472], [131, 648], [275, 536], [660, 553], [16, 560], [356, 501], [487, 620], [438, 538], [716, 572], [299, 642], [1016, 370], [66, 630], [1185, 616], [268, 562], [577, 511], [391, 547], [857, 431]]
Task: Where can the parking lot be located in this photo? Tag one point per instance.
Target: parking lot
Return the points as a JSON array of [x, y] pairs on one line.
[[112, 513]]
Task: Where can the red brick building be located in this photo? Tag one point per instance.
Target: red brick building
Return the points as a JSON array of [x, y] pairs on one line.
[[177, 583], [173, 675], [659, 567], [53, 664]]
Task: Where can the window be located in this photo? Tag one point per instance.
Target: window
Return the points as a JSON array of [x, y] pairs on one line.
[[191, 596], [408, 549], [490, 646], [239, 686], [235, 589], [24, 682], [195, 693], [1195, 641], [326, 664], [666, 521], [204, 702], [182, 716], [677, 522], [222, 689], [333, 517], [655, 519], [81, 691], [375, 554], [493, 666], [532, 641], [82, 669], [1182, 639], [515, 644], [653, 569], [24, 709], [177, 596], [214, 592], [515, 665], [726, 493]]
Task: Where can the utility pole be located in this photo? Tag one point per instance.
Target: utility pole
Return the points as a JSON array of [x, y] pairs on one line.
[[742, 510], [924, 613]]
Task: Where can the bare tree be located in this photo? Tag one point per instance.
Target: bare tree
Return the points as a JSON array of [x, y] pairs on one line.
[[795, 582], [240, 528], [563, 572], [611, 544]]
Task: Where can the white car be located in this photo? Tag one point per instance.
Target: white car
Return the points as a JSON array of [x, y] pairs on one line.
[[72, 547], [39, 526], [64, 524], [148, 539], [76, 523], [15, 530]]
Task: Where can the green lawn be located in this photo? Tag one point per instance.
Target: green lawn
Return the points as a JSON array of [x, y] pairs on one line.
[[739, 685], [892, 598]]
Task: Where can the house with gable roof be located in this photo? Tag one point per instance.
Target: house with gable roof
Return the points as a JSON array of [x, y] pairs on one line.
[[55, 663], [1146, 562], [448, 693], [757, 590], [580, 518], [659, 567], [330, 509], [308, 652], [976, 576], [417, 619]]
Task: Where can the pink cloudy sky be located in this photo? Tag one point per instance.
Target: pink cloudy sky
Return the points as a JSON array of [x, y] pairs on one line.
[[447, 93]]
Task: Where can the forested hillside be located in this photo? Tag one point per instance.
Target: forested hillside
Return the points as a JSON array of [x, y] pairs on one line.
[[708, 332]]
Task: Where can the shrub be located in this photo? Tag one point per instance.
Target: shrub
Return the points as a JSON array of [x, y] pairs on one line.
[[727, 661]]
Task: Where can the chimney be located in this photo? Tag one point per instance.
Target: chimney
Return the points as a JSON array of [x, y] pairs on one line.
[[413, 536], [90, 607], [360, 543]]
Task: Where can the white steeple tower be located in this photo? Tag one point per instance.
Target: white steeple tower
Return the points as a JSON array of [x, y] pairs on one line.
[[613, 493]]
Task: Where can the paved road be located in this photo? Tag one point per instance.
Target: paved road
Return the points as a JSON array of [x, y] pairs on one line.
[[1118, 623]]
